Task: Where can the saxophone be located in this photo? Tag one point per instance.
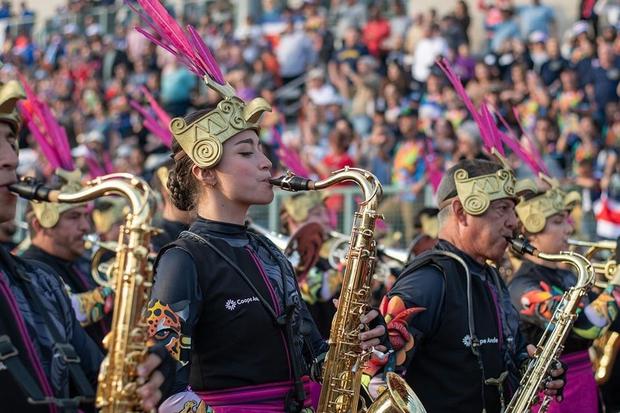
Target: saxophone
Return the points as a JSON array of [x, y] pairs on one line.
[[342, 370], [131, 278], [551, 344]]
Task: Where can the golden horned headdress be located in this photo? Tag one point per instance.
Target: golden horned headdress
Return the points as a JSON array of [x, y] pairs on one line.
[[534, 212], [477, 193], [203, 138], [48, 213]]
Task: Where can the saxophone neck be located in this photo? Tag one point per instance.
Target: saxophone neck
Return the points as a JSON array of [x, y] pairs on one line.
[[368, 183], [585, 274]]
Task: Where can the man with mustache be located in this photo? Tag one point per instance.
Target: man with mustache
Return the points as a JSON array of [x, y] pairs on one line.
[[57, 233], [42, 344], [451, 323]]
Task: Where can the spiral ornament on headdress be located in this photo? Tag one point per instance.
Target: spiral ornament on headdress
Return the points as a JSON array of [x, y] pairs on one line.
[[475, 204], [207, 152], [534, 223]]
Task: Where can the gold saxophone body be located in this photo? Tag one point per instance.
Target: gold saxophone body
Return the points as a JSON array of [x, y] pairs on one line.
[[344, 363], [131, 279], [551, 344]]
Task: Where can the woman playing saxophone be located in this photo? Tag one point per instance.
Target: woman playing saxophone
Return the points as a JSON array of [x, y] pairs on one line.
[[538, 288]]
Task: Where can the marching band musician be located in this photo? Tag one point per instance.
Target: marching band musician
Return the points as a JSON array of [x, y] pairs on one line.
[[321, 283], [40, 336], [57, 240], [538, 286], [225, 302], [449, 315], [218, 288]]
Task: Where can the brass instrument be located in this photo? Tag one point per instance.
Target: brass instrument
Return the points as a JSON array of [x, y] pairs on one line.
[[301, 248], [132, 275], [342, 370], [606, 269], [604, 350], [551, 344], [387, 256]]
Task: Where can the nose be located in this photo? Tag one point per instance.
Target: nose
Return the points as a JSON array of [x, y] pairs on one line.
[[84, 224], [264, 162], [8, 156], [511, 220]]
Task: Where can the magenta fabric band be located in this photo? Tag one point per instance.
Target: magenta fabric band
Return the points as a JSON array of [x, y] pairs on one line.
[[580, 392], [254, 399]]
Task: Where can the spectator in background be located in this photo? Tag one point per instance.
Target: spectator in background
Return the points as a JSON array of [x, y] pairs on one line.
[[349, 13], [461, 14], [428, 49], [505, 30], [376, 32], [536, 17], [408, 175], [294, 52], [177, 84], [603, 79], [352, 48]]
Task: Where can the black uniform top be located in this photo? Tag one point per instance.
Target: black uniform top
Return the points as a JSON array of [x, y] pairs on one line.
[[77, 276], [222, 325], [170, 232], [439, 359], [537, 290], [29, 333]]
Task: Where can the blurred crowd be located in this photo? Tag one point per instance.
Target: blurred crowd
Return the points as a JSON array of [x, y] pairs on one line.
[[352, 83]]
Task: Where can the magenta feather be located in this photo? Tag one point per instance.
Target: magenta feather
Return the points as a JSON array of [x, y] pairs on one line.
[[486, 131], [188, 47], [46, 148], [289, 157], [156, 125], [533, 148]]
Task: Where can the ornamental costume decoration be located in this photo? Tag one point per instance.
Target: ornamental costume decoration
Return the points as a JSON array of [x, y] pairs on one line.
[[535, 211], [203, 138]]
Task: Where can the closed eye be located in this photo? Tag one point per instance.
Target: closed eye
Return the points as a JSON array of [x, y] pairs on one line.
[[246, 154]]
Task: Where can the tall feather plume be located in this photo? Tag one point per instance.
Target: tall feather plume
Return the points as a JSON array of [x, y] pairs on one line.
[[486, 132], [529, 155], [156, 120], [51, 137], [187, 46], [289, 157]]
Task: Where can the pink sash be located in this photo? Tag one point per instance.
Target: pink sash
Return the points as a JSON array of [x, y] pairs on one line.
[[580, 392], [257, 399]]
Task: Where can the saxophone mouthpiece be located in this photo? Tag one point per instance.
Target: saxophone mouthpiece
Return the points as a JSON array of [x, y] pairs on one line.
[[30, 189], [521, 246], [293, 183]]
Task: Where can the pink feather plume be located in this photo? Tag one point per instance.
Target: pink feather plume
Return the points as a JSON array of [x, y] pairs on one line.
[[51, 137], [289, 157], [156, 120], [187, 46]]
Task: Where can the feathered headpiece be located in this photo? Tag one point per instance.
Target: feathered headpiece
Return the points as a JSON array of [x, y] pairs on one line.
[[476, 193], [156, 120], [202, 139], [46, 130]]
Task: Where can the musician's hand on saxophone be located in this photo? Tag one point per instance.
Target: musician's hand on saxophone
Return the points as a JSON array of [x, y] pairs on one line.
[[557, 377], [373, 334]]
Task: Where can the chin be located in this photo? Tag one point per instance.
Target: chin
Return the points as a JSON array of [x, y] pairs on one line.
[[7, 212]]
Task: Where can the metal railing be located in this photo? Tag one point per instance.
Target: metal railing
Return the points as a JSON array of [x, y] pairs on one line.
[[268, 216]]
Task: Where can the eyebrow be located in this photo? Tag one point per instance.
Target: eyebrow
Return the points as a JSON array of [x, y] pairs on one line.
[[248, 140]]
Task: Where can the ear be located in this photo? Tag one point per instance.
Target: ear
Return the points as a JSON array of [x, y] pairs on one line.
[[204, 175], [459, 212]]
